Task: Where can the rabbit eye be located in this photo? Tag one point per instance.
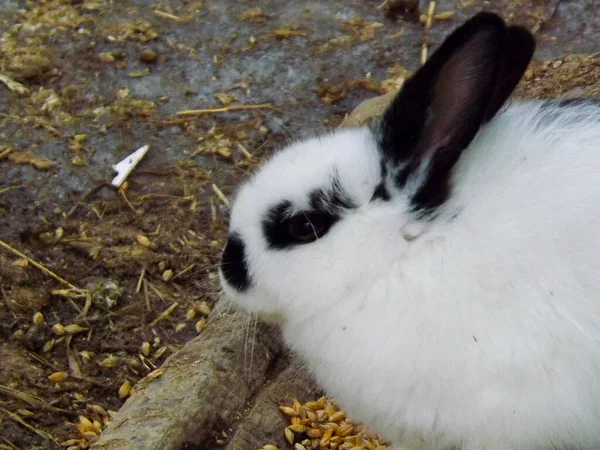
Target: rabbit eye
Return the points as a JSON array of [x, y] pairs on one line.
[[309, 226], [283, 228]]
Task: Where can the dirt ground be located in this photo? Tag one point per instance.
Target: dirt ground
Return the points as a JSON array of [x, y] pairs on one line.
[[128, 276]]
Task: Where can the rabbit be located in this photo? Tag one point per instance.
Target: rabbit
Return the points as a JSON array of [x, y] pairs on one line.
[[438, 271]]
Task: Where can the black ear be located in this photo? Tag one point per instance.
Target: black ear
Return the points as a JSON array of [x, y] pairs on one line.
[[441, 108], [518, 51]]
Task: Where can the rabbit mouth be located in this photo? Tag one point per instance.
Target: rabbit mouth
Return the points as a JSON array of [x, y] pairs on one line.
[[249, 301]]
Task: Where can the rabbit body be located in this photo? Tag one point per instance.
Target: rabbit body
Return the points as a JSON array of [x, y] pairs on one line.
[[483, 334], [439, 272]]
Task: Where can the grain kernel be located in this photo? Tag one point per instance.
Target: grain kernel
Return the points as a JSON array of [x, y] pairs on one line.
[[200, 325], [143, 240], [125, 389], [288, 411], [314, 433], [58, 377], [145, 348], [38, 318], [289, 435], [337, 416]]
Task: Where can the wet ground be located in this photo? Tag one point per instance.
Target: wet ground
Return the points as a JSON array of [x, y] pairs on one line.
[[99, 79]]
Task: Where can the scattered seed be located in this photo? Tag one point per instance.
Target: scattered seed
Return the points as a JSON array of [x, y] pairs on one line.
[[86, 355], [167, 274], [106, 57], [314, 433], [73, 329], [289, 435], [288, 411], [326, 437], [58, 329], [320, 424], [200, 325], [97, 426], [161, 351], [48, 346], [58, 377], [337, 416], [97, 409], [145, 348], [38, 318], [203, 308], [86, 424], [143, 240], [155, 373], [21, 263], [90, 435], [109, 362], [180, 327], [190, 314], [125, 389]]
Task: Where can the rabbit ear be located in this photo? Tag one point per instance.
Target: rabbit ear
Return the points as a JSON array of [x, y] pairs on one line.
[[441, 108], [518, 51]]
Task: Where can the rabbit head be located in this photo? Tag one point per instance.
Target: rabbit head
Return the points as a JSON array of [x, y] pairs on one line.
[[329, 214]]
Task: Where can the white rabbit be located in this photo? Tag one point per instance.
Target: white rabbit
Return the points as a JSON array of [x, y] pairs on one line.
[[439, 271]]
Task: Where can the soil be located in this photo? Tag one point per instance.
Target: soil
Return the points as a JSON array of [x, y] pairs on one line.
[[87, 82]]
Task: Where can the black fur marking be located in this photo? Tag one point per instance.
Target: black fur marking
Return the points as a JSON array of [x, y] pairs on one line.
[[285, 228], [586, 108], [570, 102], [401, 177], [233, 263], [436, 188], [440, 109], [331, 199], [381, 193], [519, 47]]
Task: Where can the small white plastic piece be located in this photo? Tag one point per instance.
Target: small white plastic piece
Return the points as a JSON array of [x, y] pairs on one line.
[[125, 167]]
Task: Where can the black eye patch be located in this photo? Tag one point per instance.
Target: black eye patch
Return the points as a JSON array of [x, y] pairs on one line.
[[283, 229]]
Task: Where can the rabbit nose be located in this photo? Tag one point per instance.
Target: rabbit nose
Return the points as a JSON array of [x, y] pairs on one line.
[[234, 268]]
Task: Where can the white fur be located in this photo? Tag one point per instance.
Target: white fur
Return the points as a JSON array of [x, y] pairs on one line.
[[482, 332]]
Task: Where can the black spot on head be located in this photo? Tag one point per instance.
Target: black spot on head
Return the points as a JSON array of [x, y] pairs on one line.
[[331, 199], [285, 228], [233, 263]]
